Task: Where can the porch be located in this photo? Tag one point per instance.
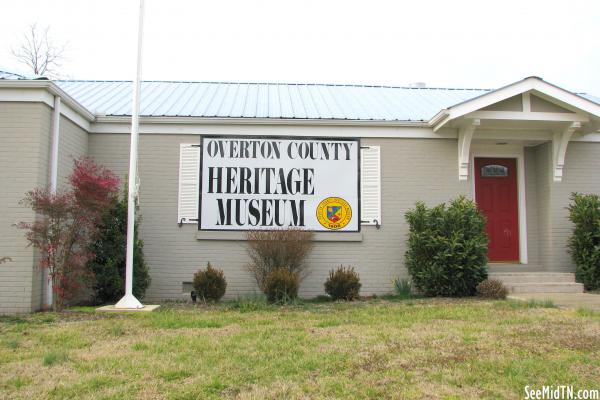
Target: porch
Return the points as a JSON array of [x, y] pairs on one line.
[[523, 150]]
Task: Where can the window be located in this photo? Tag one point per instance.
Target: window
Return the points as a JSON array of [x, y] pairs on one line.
[[494, 171]]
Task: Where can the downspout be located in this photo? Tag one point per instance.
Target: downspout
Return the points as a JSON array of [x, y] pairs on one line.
[[53, 186]]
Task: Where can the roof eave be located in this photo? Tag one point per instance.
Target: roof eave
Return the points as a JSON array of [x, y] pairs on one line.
[[532, 83], [259, 121], [437, 118], [53, 89]]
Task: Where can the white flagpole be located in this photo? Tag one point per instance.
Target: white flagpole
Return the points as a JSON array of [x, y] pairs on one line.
[[129, 301]]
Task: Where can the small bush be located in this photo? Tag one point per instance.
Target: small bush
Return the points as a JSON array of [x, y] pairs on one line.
[[281, 286], [210, 284], [281, 248], [492, 289], [109, 246], [403, 288], [343, 284], [584, 244], [447, 248]]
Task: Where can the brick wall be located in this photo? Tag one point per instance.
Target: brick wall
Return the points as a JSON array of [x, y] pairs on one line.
[[580, 175], [23, 127], [73, 144], [412, 169]]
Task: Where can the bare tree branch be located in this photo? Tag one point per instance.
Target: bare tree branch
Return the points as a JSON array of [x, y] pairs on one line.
[[40, 53]]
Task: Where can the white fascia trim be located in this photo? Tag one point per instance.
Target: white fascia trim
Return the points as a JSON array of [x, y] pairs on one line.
[[514, 135], [259, 121], [490, 98], [348, 131], [565, 96], [528, 116], [376, 131], [438, 120], [538, 135], [53, 89], [34, 95], [44, 91], [588, 137], [528, 84], [74, 116], [510, 151]]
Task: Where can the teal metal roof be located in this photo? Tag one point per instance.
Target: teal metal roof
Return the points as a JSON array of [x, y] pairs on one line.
[[268, 100], [10, 75]]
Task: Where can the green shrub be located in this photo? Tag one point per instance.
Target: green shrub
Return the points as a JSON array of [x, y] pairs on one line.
[[584, 244], [343, 284], [492, 289], [108, 266], [210, 284], [281, 285], [447, 248]]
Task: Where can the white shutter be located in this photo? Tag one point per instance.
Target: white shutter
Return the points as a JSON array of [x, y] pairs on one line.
[[370, 185], [189, 183]]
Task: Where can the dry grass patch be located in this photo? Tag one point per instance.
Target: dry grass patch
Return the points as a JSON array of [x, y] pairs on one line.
[[377, 349]]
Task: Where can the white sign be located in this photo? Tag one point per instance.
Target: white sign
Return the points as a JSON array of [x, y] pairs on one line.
[[252, 183]]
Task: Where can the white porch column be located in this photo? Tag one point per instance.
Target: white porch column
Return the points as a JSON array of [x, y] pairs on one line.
[[465, 136]]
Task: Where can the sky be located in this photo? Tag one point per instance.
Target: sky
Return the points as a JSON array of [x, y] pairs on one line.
[[468, 44]]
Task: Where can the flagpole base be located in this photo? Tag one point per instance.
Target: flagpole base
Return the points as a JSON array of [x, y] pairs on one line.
[[129, 302], [146, 308]]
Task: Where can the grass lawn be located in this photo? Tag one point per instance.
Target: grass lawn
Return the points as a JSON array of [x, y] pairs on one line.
[[383, 348]]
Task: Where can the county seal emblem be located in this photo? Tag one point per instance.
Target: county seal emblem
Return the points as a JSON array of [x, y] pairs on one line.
[[334, 213]]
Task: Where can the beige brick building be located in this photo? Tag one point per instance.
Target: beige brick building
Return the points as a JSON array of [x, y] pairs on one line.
[[520, 151]]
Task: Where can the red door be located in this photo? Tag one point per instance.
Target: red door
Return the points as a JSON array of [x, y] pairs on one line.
[[497, 197]]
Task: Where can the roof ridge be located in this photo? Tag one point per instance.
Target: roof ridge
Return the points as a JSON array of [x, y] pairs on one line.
[[274, 83]]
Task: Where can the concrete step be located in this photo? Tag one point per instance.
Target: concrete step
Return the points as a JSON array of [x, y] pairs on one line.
[[546, 287], [538, 282], [533, 277], [508, 267]]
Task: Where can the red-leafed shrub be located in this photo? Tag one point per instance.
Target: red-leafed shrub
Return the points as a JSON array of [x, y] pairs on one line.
[[93, 185], [66, 223]]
